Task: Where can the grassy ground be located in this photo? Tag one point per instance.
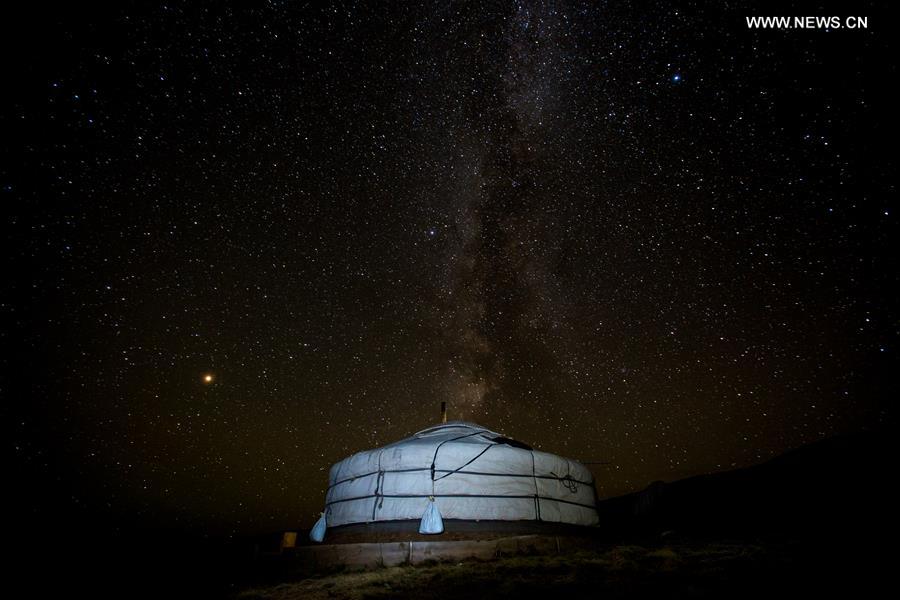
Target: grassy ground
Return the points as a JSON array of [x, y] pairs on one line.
[[670, 571]]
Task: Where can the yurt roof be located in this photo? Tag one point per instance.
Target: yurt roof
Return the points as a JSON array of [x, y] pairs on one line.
[[458, 432]]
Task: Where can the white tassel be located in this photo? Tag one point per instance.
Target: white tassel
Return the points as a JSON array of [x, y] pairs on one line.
[[317, 533], [432, 522]]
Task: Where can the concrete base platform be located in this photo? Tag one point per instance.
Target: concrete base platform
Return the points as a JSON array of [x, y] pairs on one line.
[[454, 529], [373, 555]]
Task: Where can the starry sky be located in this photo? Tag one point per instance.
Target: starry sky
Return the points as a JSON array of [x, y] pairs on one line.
[[248, 240]]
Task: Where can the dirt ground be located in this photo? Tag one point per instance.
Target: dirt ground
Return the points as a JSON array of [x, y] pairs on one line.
[[718, 570]]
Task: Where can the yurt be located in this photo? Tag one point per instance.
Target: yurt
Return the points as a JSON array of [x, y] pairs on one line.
[[461, 472]]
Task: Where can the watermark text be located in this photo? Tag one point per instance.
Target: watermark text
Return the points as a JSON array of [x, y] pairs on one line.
[[815, 22]]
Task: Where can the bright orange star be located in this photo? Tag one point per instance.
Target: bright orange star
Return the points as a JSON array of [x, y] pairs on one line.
[[208, 378]]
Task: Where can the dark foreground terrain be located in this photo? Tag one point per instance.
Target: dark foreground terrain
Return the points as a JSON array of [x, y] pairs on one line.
[[677, 570]]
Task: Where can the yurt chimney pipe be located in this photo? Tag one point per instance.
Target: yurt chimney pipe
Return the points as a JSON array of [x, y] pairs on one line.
[[443, 412]]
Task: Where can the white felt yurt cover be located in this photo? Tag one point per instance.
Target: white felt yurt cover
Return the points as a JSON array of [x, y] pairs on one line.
[[471, 472]]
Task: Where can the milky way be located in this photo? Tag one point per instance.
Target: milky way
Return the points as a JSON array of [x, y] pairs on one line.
[[502, 290]]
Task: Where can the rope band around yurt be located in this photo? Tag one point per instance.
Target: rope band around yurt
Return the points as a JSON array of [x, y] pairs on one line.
[[517, 496], [563, 479]]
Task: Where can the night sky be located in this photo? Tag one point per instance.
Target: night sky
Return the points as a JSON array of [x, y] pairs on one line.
[[247, 242]]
